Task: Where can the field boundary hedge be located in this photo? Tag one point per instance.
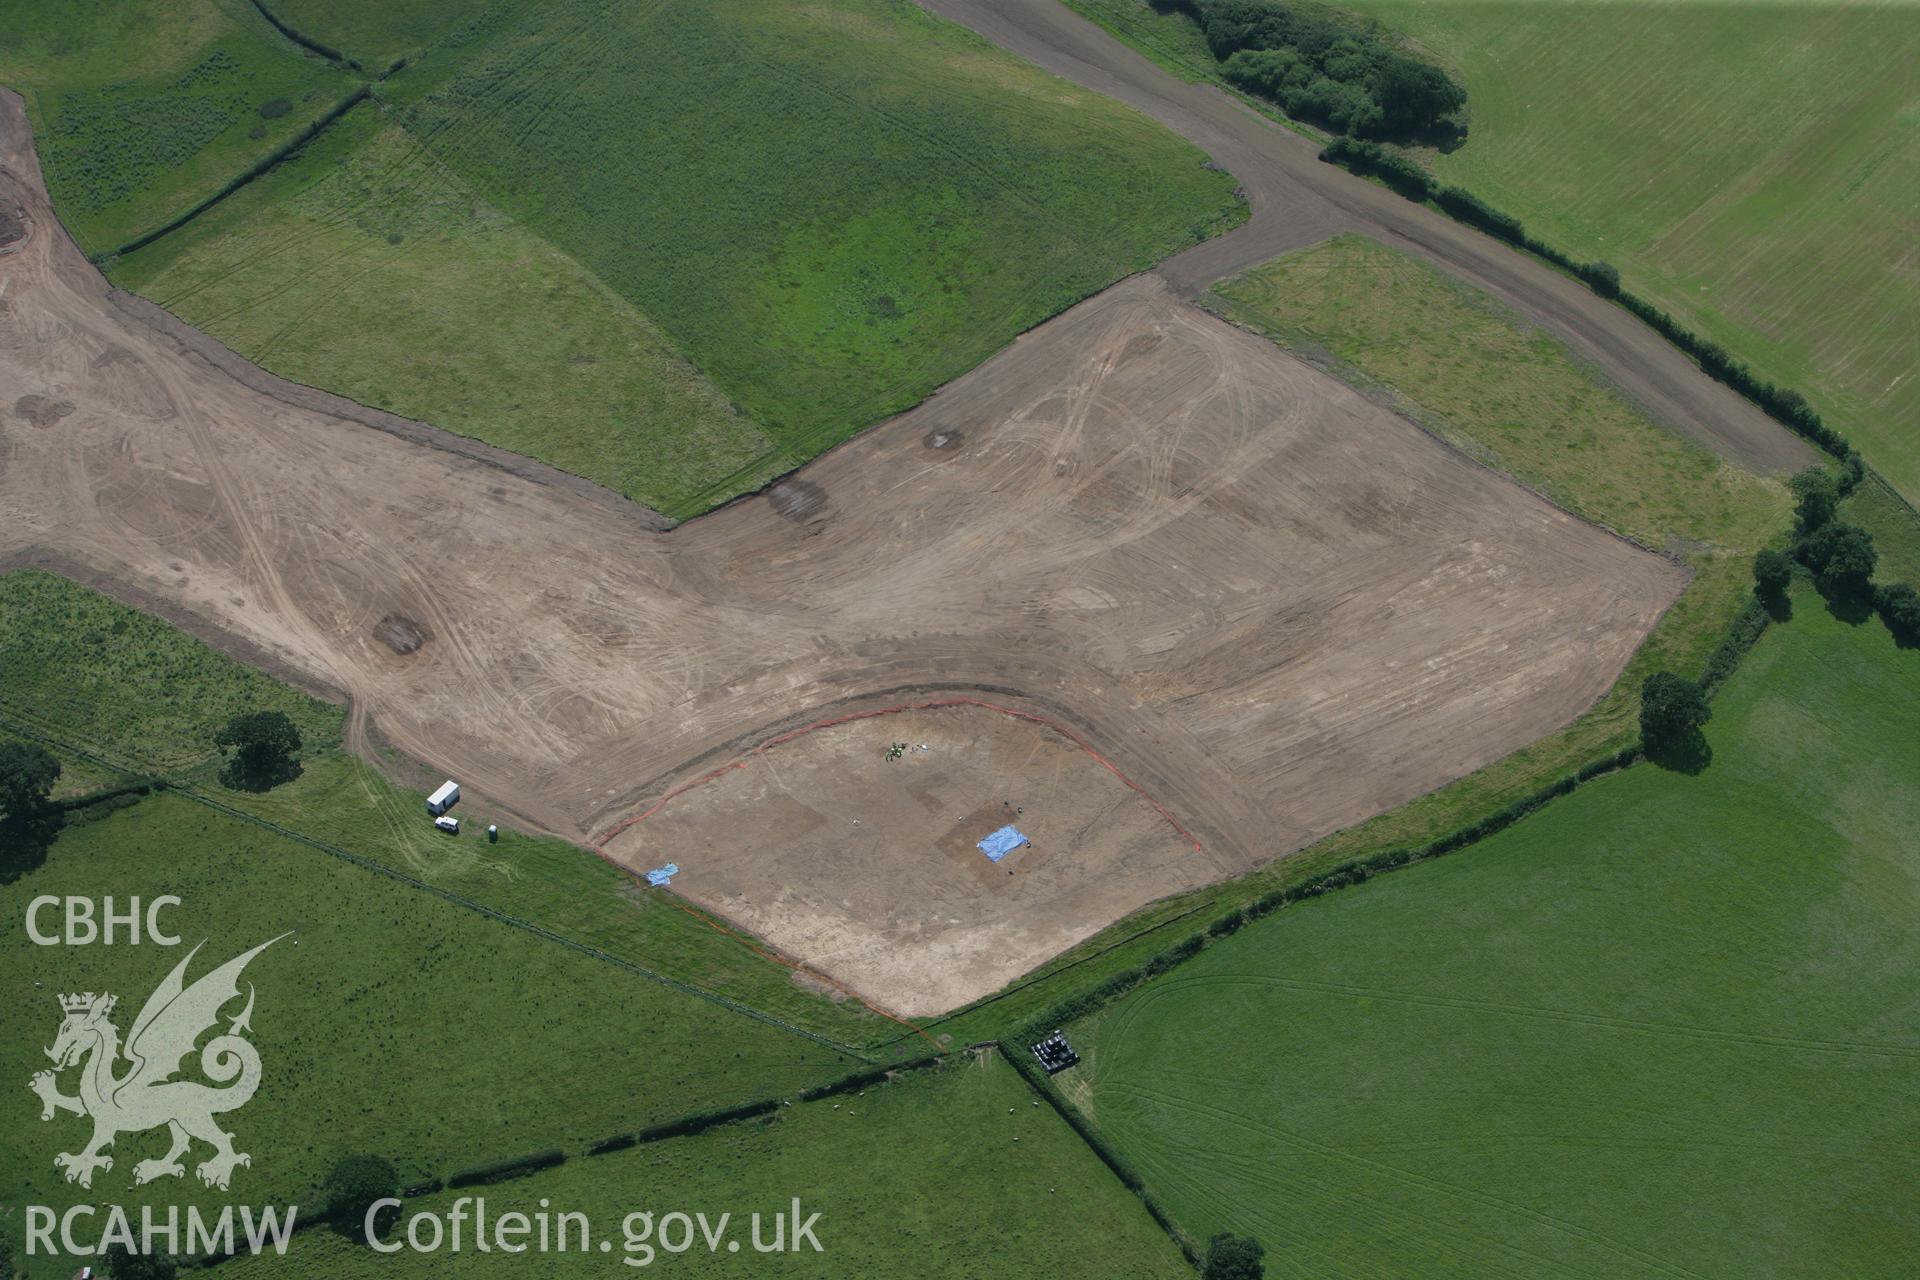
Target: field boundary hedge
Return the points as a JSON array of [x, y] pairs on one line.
[[1117, 1164], [1401, 173], [304, 41]]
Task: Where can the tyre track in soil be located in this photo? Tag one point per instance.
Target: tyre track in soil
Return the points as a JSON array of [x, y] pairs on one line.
[[1275, 605], [1298, 201]]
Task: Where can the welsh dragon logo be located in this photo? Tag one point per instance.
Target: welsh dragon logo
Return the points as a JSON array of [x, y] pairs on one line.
[[145, 1095]]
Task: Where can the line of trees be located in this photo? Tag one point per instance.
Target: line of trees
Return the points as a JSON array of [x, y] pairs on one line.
[[1338, 71], [1840, 556]]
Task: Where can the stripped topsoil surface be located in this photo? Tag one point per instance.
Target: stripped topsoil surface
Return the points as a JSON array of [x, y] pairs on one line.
[[1273, 605], [857, 845]]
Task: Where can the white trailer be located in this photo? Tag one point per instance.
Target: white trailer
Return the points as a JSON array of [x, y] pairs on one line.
[[444, 798]]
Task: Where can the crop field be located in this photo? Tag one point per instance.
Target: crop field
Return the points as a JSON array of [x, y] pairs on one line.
[[948, 1172], [144, 108], [391, 1022], [365, 267], [865, 203], [1664, 990], [1751, 171]]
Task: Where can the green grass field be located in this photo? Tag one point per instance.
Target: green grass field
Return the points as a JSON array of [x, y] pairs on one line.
[[922, 1176], [392, 1022], [365, 267], [143, 108], [1667, 1026], [832, 210], [1750, 168]]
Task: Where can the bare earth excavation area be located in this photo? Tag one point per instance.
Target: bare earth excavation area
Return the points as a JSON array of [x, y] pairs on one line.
[[1271, 606]]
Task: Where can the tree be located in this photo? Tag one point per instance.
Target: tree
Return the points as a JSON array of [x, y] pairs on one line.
[[1899, 606], [1231, 1257], [1772, 571], [1604, 277], [263, 750], [1414, 97], [27, 774], [1672, 708], [1841, 557], [353, 1187], [1818, 497]]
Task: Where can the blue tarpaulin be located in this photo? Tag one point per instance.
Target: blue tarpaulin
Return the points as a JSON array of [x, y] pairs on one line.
[[662, 875], [1002, 842]]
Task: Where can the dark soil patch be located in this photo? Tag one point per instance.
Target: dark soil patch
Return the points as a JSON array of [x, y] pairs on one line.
[[13, 227], [40, 410], [798, 500], [400, 633]]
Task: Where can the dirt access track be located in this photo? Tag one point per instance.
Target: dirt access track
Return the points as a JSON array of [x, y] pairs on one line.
[[1221, 582], [1298, 201]]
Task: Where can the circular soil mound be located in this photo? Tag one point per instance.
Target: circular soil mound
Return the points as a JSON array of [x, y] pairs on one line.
[[41, 411], [400, 633]]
